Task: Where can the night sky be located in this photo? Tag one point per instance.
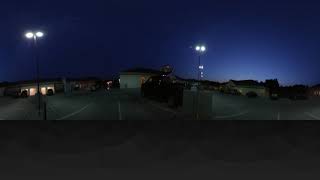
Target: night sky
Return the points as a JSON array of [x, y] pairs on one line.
[[246, 39]]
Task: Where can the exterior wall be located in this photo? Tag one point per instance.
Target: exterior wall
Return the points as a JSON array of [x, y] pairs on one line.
[[262, 92], [32, 89], [85, 85], [12, 91], [128, 81], [314, 92]]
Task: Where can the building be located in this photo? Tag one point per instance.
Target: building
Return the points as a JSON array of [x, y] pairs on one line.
[[70, 85], [85, 84], [31, 87], [134, 78], [245, 86], [58, 85], [315, 91], [210, 85]]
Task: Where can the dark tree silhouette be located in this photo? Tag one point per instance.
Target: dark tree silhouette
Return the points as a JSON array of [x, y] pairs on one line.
[[272, 85]]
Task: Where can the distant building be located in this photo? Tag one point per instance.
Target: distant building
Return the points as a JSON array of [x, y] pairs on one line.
[[211, 85], [80, 84], [31, 87], [134, 78], [85, 83], [315, 91], [245, 86], [56, 85]]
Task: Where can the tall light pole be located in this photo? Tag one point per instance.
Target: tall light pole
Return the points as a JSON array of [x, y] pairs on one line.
[[200, 49], [34, 36]]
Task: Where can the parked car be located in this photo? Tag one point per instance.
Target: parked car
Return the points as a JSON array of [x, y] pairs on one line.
[[164, 89], [50, 92], [252, 94], [76, 88], [24, 94]]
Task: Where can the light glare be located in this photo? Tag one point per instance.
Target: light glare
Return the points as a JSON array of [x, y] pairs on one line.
[[39, 34], [29, 35]]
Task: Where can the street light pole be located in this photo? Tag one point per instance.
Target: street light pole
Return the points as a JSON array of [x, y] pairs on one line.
[[200, 50], [198, 91], [34, 37], [38, 73], [199, 70]]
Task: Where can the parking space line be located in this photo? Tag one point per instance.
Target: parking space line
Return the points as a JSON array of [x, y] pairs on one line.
[[232, 116], [119, 111], [312, 116], [74, 113]]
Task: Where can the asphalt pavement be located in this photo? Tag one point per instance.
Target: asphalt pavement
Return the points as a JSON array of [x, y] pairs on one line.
[[107, 105], [129, 105], [242, 108], [19, 109]]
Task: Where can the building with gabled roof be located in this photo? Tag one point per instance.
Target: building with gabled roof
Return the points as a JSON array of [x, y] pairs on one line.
[[134, 78], [245, 86]]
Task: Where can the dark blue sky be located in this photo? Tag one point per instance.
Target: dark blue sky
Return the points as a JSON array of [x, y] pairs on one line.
[[246, 39]]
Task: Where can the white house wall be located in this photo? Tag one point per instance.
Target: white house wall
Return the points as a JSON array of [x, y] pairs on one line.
[[260, 91], [132, 81]]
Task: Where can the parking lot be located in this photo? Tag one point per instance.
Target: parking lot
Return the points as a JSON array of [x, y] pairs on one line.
[[238, 107], [106, 105], [101, 105], [128, 105], [18, 109]]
